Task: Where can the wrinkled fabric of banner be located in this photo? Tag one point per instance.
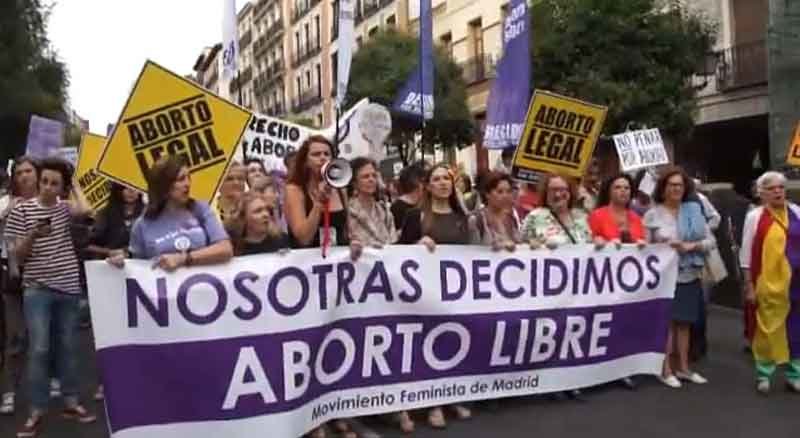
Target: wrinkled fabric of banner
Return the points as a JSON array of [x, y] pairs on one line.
[[286, 342]]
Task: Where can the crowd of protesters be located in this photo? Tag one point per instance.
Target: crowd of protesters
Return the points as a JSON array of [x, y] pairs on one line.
[[257, 212]]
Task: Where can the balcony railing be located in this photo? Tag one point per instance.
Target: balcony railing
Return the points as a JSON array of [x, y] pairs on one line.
[[371, 8], [305, 54], [276, 110], [261, 7], [266, 79], [270, 36], [477, 69], [246, 39], [244, 77], [743, 65], [307, 100], [302, 8]]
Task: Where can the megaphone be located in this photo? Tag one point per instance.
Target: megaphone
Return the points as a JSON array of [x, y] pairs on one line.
[[337, 173]]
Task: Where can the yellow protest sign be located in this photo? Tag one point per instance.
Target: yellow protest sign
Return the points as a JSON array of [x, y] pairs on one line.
[[559, 137], [167, 114], [793, 156], [95, 187]]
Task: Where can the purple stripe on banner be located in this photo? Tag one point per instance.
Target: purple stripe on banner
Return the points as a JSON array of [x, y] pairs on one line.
[[185, 382]]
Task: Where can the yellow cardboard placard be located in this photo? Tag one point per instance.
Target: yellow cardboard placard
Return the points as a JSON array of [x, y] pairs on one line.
[[95, 187], [559, 137], [793, 154], [167, 114]]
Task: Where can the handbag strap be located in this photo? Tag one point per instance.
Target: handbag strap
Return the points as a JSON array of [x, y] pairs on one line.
[[563, 227]]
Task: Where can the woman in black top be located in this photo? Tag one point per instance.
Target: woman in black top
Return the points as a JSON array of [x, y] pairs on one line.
[[306, 196], [112, 228], [254, 230], [440, 219]]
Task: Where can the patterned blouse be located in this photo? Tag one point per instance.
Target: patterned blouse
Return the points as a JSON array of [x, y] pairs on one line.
[[371, 227], [542, 224]]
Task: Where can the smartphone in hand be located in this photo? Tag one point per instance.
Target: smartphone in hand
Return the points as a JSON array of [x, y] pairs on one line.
[[43, 227]]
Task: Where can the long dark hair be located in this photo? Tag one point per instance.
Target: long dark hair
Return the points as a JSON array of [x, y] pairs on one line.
[[604, 197], [427, 199], [114, 212], [14, 189], [299, 174], [160, 179]]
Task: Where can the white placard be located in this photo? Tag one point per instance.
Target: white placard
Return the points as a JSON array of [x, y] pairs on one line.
[[640, 149]]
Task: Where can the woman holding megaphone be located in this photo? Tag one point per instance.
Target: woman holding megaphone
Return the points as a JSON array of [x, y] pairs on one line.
[[309, 194], [314, 198]]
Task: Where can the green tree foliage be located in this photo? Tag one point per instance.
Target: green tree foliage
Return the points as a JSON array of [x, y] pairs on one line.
[[636, 56], [380, 69], [32, 79]]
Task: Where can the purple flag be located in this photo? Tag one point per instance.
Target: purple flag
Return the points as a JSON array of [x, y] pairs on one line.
[[45, 137], [510, 94], [418, 89]]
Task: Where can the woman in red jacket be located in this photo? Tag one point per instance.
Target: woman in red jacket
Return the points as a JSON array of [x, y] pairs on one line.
[[613, 221]]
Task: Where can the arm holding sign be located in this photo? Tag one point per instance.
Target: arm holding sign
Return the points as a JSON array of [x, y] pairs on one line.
[[78, 205]]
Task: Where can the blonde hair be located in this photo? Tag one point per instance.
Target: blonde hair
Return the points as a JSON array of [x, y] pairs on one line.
[[237, 226]]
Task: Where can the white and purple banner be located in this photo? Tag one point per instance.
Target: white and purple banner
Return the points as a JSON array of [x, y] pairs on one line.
[[416, 97], [282, 343], [510, 95]]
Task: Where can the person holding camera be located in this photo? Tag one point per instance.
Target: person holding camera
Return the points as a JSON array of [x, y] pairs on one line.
[[42, 242]]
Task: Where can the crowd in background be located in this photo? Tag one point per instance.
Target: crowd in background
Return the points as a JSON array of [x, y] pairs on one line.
[[49, 230]]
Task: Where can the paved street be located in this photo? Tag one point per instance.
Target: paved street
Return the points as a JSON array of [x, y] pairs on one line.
[[726, 408]]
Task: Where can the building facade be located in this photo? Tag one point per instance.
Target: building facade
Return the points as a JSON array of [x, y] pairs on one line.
[[471, 33], [733, 103], [244, 80], [268, 57], [206, 68], [289, 52]]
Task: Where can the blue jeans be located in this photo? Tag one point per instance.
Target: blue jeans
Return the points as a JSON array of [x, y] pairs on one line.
[[46, 310]]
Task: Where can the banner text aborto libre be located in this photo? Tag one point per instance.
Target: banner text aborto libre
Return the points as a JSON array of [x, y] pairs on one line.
[[287, 342]]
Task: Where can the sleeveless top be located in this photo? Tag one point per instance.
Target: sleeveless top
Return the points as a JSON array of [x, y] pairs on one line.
[[339, 235]]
